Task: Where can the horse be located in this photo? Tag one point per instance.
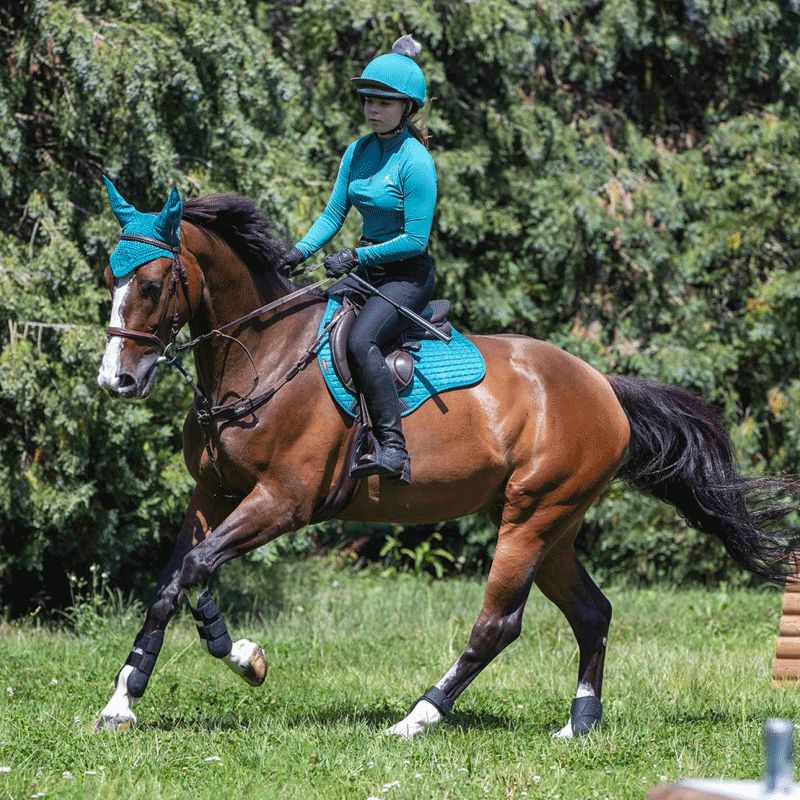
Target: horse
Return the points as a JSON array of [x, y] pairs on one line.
[[533, 444]]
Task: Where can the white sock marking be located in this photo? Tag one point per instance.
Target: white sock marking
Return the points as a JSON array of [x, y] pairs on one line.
[[119, 709], [241, 655], [423, 717]]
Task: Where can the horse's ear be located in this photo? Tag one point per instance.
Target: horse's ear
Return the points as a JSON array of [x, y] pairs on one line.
[[169, 220], [122, 209]]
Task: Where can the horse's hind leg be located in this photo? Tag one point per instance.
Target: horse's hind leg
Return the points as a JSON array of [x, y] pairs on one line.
[[499, 623], [565, 582]]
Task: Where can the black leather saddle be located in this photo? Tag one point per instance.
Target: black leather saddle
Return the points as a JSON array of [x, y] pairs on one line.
[[398, 353]]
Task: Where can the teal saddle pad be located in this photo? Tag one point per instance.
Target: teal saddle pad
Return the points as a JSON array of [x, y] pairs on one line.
[[437, 368]]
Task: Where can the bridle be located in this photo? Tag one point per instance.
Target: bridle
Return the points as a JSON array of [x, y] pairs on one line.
[[206, 413], [178, 276]]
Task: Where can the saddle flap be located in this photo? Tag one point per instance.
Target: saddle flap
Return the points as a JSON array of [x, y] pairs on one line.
[[400, 362]]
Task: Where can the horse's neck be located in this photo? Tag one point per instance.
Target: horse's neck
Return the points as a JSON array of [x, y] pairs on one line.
[[274, 340]]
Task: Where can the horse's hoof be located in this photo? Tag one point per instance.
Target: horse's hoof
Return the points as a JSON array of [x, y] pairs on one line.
[[248, 661], [422, 718], [255, 672], [114, 722]]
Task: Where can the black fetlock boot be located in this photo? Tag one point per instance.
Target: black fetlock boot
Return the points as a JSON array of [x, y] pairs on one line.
[[391, 457]]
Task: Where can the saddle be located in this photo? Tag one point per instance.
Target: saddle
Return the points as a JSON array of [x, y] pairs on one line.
[[398, 353]]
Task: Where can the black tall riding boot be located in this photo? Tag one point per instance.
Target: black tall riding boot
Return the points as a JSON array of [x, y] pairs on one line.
[[391, 457]]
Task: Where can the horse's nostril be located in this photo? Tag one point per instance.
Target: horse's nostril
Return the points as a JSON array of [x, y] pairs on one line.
[[125, 381]]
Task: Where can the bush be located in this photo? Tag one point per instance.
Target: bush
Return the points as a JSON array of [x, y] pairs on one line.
[[614, 177]]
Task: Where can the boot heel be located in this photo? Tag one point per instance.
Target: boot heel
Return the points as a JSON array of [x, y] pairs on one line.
[[405, 474]]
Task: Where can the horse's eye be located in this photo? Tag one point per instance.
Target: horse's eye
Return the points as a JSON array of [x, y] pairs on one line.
[[151, 289]]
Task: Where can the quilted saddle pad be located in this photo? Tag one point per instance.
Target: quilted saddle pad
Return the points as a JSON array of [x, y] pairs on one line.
[[437, 368]]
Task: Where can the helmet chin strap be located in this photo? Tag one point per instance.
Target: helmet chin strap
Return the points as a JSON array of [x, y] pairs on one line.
[[403, 120]]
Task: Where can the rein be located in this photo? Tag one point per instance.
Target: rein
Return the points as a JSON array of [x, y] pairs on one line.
[[205, 412]]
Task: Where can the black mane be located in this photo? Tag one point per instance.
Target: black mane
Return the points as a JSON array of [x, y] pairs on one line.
[[236, 220]]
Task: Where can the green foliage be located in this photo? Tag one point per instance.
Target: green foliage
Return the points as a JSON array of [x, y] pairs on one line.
[[616, 177], [426, 558]]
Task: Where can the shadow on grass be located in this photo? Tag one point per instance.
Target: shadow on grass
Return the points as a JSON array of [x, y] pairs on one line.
[[376, 717]]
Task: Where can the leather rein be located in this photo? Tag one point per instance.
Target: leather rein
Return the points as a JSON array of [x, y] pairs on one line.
[[206, 413]]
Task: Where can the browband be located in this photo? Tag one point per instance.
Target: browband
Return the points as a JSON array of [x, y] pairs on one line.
[[132, 237]]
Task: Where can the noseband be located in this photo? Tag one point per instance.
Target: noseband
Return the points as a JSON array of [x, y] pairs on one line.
[[178, 275]]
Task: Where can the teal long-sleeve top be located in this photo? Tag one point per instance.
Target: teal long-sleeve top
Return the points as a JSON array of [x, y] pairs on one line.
[[392, 182]]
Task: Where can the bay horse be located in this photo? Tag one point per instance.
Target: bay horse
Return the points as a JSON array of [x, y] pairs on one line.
[[534, 444]]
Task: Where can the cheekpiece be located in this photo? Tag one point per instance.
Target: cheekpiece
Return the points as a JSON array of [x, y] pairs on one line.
[[163, 227]]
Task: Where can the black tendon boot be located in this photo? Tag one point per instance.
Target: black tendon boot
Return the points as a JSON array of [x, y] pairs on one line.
[[391, 457]]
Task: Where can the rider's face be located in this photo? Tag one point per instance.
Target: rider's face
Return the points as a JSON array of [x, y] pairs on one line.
[[383, 114]]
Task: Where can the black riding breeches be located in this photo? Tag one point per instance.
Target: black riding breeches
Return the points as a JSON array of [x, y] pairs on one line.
[[410, 284]]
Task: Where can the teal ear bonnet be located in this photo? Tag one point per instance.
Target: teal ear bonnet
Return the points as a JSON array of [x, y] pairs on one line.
[[164, 227]]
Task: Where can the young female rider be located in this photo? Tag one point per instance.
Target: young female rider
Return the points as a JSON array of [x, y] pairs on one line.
[[389, 176]]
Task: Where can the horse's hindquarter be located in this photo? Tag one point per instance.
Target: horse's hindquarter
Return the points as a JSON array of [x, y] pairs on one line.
[[540, 420]]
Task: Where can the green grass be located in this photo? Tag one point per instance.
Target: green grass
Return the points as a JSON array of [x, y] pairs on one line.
[[687, 691]]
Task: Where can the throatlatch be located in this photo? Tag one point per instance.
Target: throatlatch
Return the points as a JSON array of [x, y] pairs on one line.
[[211, 626], [143, 658]]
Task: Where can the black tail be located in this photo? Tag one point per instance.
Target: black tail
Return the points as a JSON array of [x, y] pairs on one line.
[[680, 453]]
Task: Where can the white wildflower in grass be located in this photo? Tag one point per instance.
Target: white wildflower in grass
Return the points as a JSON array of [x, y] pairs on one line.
[[372, 797], [213, 758], [54, 682], [38, 794], [10, 691], [90, 772], [67, 774], [387, 786], [536, 779], [5, 769]]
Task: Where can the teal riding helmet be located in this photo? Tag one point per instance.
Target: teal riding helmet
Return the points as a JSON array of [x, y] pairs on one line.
[[395, 76]]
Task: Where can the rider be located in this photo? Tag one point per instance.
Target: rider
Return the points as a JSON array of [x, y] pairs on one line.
[[389, 176]]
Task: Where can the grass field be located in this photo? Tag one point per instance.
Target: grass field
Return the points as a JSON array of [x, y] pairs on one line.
[[687, 691]]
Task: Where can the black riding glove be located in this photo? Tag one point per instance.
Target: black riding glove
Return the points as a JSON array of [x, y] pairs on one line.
[[290, 260], [340, 263]]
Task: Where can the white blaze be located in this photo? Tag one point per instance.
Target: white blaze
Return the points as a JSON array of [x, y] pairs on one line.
[[111, 358]]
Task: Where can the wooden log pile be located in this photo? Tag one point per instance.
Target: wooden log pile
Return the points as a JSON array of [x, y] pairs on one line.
[[786, 666]]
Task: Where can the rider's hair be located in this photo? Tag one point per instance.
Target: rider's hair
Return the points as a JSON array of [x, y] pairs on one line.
[[419, 135]]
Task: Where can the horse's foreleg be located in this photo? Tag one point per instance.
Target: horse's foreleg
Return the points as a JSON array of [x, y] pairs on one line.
[[565, 582], [244, 657], [262, 516], [499, 624], [131, 681]]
